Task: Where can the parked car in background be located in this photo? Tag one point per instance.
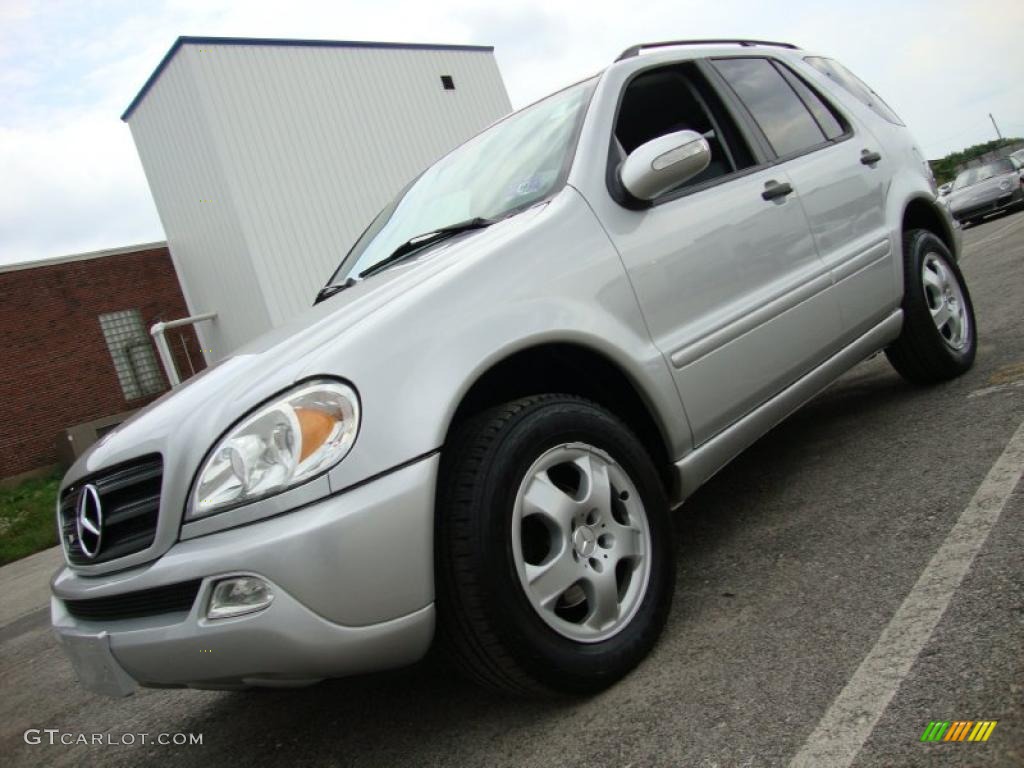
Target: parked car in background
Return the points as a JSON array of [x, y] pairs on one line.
[[547, 341], [1018, 156], [986, 189]]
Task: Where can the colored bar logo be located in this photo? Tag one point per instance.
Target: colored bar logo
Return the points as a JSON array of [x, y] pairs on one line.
[[959, 730]]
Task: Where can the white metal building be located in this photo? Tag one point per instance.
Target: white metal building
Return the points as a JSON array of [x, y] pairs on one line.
[[267, 158]]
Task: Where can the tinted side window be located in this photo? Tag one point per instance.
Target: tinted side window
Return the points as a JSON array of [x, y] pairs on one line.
[[844, 77], [785, 121], [823, 113]]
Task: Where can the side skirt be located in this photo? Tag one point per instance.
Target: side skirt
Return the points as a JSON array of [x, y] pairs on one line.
[[701, 464]]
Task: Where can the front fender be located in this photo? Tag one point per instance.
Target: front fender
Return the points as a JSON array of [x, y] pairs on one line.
[[560, 280]]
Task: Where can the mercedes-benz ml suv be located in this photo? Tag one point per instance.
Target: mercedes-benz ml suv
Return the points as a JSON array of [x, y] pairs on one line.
[[543, 345]]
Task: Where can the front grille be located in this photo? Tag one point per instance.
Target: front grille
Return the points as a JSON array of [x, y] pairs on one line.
[[990, 207], [978, 210], [174, 598], [129, 497]]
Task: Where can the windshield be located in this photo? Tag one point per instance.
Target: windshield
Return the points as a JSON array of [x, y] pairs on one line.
[[982, 172], [510, 166]]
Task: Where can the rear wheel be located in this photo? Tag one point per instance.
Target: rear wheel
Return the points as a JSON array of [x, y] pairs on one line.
[[939, 337], [554, 563]]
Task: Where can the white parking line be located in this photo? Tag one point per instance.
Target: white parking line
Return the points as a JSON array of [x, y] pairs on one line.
[[1009, 387], [856, 710]]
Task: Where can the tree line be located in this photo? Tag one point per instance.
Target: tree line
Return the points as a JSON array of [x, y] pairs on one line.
[[946, 168]]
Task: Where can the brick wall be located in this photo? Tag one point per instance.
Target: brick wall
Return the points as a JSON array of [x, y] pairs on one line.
[[55, 368]]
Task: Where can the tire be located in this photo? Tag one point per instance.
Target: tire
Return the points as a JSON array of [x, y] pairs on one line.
[[501, 520], [939, 337]]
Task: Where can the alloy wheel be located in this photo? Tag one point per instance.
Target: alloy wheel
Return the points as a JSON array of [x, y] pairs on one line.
[[945, 301], [581, 542]]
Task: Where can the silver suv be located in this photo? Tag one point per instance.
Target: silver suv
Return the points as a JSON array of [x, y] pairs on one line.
[[548, 341]]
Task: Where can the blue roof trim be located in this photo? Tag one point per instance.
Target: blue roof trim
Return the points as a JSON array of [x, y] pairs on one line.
[[187, 40]]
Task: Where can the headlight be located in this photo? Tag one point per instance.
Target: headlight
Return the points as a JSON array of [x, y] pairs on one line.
[[1004, 184], [286, 442]]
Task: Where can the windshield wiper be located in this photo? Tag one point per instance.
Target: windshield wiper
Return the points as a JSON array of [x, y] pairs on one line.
[[329, 290], [414, 244]]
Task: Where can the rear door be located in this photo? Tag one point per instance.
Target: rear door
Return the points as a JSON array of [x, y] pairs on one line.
[[841, 175]]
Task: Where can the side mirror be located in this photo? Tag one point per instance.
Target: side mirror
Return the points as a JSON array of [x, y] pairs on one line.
[[660, 164]]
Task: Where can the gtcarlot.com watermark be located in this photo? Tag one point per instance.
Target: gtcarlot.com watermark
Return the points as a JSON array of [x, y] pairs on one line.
[[54, 736]]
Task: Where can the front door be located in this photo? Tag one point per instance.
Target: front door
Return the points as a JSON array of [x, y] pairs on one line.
[[725, 268]]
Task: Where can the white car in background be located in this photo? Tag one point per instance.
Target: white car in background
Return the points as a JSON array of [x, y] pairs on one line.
[[982, 190]]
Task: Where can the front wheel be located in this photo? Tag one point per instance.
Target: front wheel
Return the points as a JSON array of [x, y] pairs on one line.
[[939, 337], [554, 558]]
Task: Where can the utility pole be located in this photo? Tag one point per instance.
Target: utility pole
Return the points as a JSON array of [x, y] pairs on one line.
[[995, 126]]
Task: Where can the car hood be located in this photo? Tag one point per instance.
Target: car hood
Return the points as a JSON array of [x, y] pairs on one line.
[[983, 191], [183, 424]]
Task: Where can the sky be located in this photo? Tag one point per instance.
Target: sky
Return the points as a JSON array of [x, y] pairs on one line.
[[71, 181]]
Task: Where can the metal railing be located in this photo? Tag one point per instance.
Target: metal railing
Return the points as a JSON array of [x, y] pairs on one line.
[[157, 332]]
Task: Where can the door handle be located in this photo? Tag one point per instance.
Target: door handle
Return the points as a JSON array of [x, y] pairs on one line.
[[867, 157], [773, 190]]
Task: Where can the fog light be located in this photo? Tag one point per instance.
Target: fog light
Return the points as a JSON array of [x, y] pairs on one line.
[[238, 595]]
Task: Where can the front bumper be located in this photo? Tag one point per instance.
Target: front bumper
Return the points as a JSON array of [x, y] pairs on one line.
[[352, 577], [995, 205]]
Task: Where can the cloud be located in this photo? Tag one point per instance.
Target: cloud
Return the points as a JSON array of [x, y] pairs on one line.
[[74, 185], [70, 179]]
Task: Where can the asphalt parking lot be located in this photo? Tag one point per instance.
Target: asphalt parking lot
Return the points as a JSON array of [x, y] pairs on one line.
[[820, 614]]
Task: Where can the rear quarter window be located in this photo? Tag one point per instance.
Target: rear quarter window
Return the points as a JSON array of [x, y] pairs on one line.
[[836, 72]]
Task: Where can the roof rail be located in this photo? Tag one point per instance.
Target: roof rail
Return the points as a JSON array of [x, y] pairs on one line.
[[635, 50]]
